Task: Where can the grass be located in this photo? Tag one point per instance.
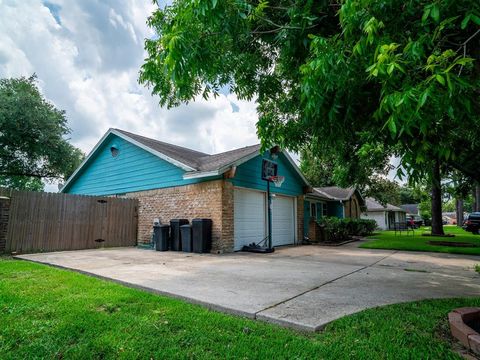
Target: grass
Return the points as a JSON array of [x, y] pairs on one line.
[[388, 240], [477, 268], [51, 313]]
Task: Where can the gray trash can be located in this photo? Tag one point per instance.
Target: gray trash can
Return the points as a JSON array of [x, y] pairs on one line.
[[186, 236], [161, 240], [175, 237], [202, 235]]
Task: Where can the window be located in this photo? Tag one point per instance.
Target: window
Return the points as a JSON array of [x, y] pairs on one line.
[[313, 210], [324, 210]]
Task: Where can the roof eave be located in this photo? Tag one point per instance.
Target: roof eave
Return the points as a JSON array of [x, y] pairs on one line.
[[154, 152]]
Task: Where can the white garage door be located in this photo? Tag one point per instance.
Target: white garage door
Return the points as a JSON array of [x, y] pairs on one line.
[[249, 217], [283, 220]]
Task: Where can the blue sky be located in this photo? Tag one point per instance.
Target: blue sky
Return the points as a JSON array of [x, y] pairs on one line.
[[87, 55]]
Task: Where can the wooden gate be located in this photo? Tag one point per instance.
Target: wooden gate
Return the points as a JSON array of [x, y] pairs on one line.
[[42, 222]]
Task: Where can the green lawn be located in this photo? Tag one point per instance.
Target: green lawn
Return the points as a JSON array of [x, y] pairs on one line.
[[388, 240], [57, 314]]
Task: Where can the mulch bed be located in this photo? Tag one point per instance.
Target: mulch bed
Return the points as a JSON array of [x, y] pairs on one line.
[[452, 243], [445, 235]]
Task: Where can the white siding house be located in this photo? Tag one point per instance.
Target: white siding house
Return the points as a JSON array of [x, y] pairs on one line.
[[385, 215]]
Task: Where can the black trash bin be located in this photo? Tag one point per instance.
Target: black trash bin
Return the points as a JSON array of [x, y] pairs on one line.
[[161, 234], [202, 235], [175, 237], [186, 236]]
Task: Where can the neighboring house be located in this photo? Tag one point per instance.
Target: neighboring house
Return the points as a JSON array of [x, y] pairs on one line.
[[349, 199], [385, 215], [329, 201], [411, 209], [174, 182]]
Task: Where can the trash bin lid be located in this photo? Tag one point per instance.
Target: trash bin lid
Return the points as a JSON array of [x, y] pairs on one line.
[[185, 226]]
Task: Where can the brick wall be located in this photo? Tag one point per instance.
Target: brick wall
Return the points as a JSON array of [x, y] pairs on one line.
[[226, 243], [210, 199], [4, 210], [300, 218]]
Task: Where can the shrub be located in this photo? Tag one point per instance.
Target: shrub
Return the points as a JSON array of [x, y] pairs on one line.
[[341, 229]]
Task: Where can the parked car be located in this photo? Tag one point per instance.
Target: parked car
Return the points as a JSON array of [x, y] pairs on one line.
[[472, 223], [414, 221]]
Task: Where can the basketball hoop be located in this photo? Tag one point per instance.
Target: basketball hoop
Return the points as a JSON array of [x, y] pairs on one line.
[[277, 180]]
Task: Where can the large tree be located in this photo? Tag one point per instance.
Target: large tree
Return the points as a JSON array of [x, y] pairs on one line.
[[33, 143], [357, 80]]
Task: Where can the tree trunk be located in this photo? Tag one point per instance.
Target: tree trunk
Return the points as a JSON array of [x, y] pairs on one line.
[[477, 197], [437, 225], [459, 211]]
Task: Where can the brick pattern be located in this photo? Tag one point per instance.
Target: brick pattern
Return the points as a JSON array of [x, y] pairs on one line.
[[226, 244], [300, 218], [210, 199], [4, 212], [461, 331]]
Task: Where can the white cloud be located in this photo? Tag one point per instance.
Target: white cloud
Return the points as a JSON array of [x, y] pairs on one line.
[[87, 55]]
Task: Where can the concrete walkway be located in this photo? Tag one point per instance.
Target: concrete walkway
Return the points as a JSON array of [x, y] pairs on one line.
[[303, 287]]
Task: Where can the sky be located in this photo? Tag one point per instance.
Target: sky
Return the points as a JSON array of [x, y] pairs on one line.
[[87, 55]]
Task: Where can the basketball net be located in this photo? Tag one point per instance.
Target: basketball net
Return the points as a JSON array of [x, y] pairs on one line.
[[277, 180]]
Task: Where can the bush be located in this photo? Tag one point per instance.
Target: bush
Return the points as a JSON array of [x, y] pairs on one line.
[[341, 229], [335, 229]]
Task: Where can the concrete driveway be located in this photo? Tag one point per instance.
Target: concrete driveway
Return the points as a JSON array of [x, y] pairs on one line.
[[303, 287]]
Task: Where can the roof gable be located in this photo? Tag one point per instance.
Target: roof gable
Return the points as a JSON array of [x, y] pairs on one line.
[[131, 169], [195, 164]]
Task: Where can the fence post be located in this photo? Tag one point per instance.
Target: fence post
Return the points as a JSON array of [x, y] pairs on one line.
[[4, 212]]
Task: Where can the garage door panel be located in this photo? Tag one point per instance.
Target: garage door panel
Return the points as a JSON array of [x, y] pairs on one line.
[[283, 220], [249, 217]]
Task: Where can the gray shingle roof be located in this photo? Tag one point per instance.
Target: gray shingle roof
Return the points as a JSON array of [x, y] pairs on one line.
[[217, 161], [336, 193], [374, 205], [186, 156], [318, 194], [194, 159]]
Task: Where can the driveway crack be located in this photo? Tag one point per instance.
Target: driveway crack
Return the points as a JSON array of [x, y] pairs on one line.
[[325, 283]]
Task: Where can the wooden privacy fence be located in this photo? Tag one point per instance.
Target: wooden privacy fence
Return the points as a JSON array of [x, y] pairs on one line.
[[41, 222]]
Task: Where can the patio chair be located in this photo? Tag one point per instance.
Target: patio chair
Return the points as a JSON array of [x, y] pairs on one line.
[[402, 226]]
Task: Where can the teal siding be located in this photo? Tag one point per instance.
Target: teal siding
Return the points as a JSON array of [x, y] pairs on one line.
[[134, 169], [335, 208], [249, 175]]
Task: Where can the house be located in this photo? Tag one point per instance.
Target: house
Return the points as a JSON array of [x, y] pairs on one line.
[[175, 182], [327, 202], [350, 200], [385, 215]]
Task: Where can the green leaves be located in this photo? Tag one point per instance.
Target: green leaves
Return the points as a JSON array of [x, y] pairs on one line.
[[392, 126], [470, 17], [32, 137], [431, 11], [440, 79], [332, 78]]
